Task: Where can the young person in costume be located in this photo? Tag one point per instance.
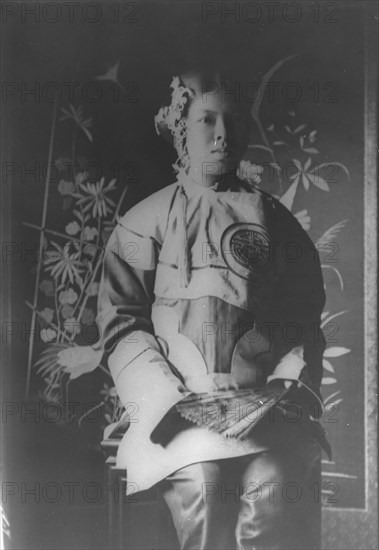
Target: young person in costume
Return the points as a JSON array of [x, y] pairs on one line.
[[211, 284]]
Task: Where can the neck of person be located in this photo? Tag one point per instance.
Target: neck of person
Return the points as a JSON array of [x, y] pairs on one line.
[[200, 177]]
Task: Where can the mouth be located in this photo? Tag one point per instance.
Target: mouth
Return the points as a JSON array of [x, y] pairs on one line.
[[223, 151]]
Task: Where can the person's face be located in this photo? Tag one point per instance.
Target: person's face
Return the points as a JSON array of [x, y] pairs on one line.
[[217, 136]]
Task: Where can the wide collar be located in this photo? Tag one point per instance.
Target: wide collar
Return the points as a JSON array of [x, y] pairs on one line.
[[193, 187]]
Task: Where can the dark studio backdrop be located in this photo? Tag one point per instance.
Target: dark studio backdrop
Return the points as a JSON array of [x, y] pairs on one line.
[[320, 90]]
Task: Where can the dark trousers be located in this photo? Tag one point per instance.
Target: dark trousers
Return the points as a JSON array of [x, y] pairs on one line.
[[268, 500]]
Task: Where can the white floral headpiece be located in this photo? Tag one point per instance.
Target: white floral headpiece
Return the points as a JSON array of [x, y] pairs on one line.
[[171, 119]]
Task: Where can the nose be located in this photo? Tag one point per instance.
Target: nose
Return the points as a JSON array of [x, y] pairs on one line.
[[221, 130]]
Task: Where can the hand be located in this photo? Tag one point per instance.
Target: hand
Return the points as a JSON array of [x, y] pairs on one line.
[[212, 382]]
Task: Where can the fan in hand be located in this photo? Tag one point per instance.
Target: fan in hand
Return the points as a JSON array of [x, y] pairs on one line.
[[232, 413]]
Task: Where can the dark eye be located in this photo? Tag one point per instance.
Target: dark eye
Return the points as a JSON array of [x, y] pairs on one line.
[[207, 119]]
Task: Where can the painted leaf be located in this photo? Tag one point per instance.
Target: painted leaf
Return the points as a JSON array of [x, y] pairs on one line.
[[342, 166], [289, 196], [319, 182], [312, 136], [47, 363], [299, 128], [328, 381], [327, 365], [275, 165], [78, 215], [336, 271], [332, 396], [305, 181], [331, 234], [336, 351], [258, 146], [331, 405], [79, 360], [265, 79], [307, 164], [327, 320]]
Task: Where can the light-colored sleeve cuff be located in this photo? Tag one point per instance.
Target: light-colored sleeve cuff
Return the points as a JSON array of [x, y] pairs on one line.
[[290, 366], [144, 379], [130, 348]]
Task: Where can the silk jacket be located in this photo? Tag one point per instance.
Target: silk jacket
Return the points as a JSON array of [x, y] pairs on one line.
[[203, 280]]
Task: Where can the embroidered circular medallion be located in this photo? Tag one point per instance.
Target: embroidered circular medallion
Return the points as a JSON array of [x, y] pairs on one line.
[[246, 249]]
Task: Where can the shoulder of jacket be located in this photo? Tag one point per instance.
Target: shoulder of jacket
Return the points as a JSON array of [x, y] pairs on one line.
[[266, 197], [283, 215], [148, 217], [274, 203]]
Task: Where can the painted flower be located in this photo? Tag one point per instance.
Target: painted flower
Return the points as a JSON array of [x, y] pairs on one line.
[[90, 249], [68, 296], [78, 360], [67, 311], [111, 75], [64, 263], [72, 325], [94, 196], [93, 289], [109, 393], [80, 177], [72, 228], [88, 316], [47, 315], [307, 148], [304, 219], [89, 233], [308, 175], [47, 287], [63, 162], [66, 187], [48, 335], [250, 172]]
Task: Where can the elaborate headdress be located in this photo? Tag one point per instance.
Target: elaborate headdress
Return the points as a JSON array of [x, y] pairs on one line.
[[170, 120]]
